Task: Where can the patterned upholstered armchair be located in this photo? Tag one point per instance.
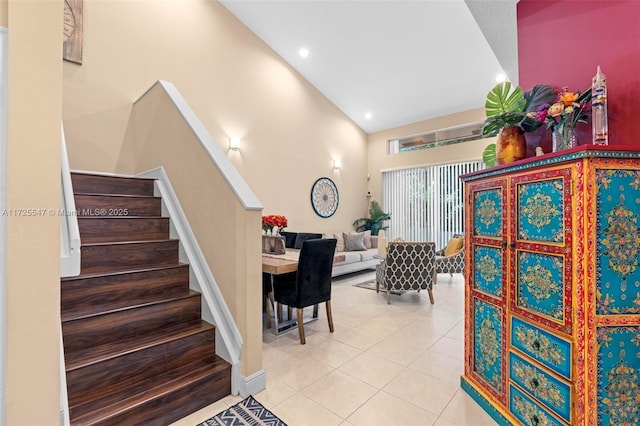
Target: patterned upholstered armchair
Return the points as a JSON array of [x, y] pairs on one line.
[[450, 260], [408, 266]]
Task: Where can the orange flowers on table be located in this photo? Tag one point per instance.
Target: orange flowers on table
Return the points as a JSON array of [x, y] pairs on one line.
[[273, 220]]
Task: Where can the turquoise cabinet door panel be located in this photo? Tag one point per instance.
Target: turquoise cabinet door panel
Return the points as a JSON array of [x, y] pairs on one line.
[[618, 380], [546, 348], [618, 241], [527, 411], [555, 394], [487, 270], [540, 206], [488, 207], [488, 344], [540, 284]]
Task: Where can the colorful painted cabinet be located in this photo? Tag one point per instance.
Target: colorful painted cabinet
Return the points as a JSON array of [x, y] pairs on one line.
[[552, 297]]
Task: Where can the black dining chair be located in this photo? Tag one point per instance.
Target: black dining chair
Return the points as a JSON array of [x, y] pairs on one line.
[[311, 283]]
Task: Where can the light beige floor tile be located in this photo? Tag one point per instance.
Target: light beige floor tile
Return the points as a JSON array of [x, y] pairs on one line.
[[371, 369], [400, 348], [422, 390], [302, 374], [450, 347], [275, 393], [443, 422], [360, 339], [331, 390], [443, 367], [334, 352], [302, 411], [463, 410], [384, 409], [456, 332]]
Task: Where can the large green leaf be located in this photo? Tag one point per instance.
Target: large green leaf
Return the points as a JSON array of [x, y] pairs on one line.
[[503, 99], [538, 95], [494, 124], [489, 155]]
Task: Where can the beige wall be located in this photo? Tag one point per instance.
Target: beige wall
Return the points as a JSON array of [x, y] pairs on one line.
[[289, 132], [379, 160], [215, 214], [33, 242]]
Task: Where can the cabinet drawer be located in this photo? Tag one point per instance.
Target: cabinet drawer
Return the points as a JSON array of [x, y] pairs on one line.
[[546, 348], [527, 411], [552, 392]]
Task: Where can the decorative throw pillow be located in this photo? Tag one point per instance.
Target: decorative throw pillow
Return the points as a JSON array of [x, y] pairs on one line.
[[454, 246], [340, 241], [354, 242], [367, 238]]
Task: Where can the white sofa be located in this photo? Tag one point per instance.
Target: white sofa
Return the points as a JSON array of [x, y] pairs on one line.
[[353, 260]]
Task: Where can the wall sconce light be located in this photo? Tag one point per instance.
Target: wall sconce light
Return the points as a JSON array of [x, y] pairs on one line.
[[234, 144], [337, 164]]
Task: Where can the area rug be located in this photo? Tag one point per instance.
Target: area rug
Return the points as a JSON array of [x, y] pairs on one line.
[[371, 285], [248, 412]]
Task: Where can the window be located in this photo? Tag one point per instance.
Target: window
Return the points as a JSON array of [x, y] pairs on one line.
[[467, 132], [426, 203]]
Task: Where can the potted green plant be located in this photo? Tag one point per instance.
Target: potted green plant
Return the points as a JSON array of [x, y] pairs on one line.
[[375, 220], [510, 113]]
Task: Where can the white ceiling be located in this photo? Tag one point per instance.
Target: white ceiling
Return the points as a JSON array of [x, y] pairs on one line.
[[402, 61]]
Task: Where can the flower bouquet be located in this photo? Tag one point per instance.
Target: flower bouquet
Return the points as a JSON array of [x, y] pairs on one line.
[[272, 242], [562, 116], [269, 222]]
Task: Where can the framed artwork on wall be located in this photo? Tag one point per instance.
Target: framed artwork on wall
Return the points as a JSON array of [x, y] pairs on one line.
[[72, 31]]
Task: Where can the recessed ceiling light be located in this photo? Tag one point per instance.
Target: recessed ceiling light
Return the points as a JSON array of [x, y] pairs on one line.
[[501, 77], [368, 115], [304, 52]]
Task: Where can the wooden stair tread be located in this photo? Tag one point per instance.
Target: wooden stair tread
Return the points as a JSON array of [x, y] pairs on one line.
[[82, 358], [120, 217], [108, 308], [126, 271], [145, 390], [107, 194], [113, 243]]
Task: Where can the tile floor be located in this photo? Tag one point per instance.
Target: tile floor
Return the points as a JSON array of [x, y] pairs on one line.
[[388, 365]]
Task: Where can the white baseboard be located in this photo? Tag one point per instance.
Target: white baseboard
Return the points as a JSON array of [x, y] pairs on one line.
[[253, 384]]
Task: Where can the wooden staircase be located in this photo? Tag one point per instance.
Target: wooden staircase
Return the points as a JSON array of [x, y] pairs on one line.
[[136, 348]]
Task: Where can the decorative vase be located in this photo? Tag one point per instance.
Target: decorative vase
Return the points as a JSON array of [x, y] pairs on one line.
[[510, 145], [273, 245], [567, 138]]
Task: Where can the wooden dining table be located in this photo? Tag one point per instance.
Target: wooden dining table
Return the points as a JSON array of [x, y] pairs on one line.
[[277, 266]]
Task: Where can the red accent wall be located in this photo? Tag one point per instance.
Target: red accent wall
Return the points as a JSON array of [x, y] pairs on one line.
[[561, 43]]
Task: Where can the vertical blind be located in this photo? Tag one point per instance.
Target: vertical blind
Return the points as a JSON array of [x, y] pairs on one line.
[[426, 203]]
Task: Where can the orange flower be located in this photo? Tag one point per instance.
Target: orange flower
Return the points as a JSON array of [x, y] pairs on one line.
[[568, 98]]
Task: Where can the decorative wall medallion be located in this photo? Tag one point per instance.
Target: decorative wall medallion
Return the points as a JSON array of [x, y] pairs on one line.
[[324, 197]]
